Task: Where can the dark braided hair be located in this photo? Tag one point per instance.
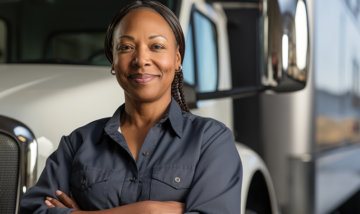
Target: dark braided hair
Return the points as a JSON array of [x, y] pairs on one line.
[[177, 85], [177, 91]]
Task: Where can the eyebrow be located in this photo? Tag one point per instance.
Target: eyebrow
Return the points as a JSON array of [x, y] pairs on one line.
[[150, 37], [127, 36], [154, 36]]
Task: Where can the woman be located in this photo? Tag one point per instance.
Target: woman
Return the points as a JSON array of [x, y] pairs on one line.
[[152, 155]]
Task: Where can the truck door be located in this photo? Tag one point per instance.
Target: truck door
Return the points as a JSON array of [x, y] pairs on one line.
[[206, 66]]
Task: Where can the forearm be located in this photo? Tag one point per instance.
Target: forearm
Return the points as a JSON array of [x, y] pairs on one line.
[[143, 207]]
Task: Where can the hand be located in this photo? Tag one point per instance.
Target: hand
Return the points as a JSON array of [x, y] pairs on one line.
[[66, 202], [167, 207]]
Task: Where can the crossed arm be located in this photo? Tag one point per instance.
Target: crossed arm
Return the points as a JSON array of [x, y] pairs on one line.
[[143, 207], [216, 185]]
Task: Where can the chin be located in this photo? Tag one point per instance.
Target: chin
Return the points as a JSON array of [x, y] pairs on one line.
[[146, 95]]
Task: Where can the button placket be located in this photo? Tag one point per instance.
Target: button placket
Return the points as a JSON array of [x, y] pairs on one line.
[[148, 151]]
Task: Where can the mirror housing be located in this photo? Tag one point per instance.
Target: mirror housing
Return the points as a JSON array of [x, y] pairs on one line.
[[284, 46]]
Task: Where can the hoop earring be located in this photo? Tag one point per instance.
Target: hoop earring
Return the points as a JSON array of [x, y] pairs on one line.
[[112, 72], [180, 69]]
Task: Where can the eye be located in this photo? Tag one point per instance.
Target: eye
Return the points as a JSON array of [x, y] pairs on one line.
[[125, 47], [158, 47]]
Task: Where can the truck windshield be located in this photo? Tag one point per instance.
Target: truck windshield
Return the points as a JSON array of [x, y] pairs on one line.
[[57, 31]]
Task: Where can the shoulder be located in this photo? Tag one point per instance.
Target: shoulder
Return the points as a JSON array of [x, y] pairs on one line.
[[89, 132], [92, 126], [217, 140], [206, 122], [209, 128]]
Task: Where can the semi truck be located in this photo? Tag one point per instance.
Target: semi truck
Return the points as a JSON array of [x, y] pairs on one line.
[[258, 66]]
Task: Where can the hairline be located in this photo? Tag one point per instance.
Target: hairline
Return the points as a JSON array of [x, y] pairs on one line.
[[144, 7]]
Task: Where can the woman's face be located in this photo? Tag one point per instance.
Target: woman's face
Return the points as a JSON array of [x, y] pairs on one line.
[[145, 55]]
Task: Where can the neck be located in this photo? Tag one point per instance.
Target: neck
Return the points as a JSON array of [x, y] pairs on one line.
[[141, 114]]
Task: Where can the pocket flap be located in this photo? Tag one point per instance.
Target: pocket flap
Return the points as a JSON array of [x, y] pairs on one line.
[[84, 176], [177, 176]]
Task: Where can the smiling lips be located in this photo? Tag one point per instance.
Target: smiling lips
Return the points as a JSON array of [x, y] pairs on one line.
[[142, 78]]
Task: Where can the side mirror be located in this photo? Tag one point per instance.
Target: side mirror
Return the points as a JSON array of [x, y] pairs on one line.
[[285, 46]]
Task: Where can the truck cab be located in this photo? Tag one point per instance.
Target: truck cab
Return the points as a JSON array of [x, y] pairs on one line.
[[54, 76]]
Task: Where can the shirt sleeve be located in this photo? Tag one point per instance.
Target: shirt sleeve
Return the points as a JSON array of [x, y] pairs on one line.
[[216, 186], [55, 176]]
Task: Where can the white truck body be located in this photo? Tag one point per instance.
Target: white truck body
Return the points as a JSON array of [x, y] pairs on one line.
[[52, 99]]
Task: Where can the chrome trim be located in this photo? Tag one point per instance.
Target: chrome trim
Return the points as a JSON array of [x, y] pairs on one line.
[[28, 154], [284, 65], [270, 43]]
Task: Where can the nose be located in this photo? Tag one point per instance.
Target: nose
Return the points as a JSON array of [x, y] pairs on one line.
[[142, 57]]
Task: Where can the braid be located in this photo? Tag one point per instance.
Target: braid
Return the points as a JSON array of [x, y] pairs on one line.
[[174, 90], [178, 92], [181, 79]]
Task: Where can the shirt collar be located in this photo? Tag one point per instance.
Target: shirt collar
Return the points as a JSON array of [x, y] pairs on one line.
[[175, 117], [174, 114], [114, 123]]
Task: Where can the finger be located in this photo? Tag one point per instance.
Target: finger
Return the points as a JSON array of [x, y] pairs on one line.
[[55, 202], [75, 204], [68, 202], [49, 204]]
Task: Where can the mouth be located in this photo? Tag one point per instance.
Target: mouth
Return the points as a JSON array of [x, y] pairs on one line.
[[142, 78]]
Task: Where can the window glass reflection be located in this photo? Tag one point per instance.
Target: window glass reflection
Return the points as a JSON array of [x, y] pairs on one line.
[[188, 64], [78, 47], [336, 57], [206, 55]]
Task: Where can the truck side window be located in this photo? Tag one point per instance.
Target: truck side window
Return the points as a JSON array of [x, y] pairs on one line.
[[3, 41], [82, 47], [206, 53], [188, 64]]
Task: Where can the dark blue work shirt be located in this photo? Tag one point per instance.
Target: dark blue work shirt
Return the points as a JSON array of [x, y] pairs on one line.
[[184, 158]]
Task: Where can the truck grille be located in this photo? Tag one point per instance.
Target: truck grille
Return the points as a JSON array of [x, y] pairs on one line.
[[9, 172]]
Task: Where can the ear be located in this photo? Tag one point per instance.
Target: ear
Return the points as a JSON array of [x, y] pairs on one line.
[[178, 58]]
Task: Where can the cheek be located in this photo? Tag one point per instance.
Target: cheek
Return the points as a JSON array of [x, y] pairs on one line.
[[166, 65], [168, 70], [121, 64], [122, 61]]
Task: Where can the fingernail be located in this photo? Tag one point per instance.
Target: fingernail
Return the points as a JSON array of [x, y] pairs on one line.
[[48, 198], [58, 192], [48, 203]]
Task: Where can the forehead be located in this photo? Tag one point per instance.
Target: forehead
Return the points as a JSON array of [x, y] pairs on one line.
[[144, 21]]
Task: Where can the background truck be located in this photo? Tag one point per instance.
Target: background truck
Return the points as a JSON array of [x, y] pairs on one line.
[[271, 70]]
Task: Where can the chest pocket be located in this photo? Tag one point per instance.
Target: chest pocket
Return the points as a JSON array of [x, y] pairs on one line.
[[171, 182], [88, 186]]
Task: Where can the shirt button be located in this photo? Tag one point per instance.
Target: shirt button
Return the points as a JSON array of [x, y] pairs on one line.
[[83, 182], [145, 153], [132, 179], [177, 179]]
